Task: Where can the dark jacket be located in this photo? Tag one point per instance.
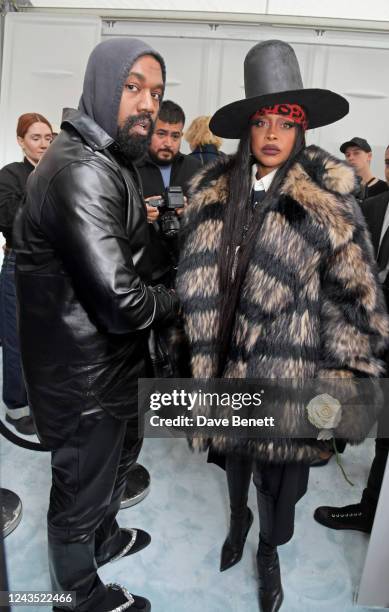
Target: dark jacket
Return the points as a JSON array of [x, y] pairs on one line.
[[13, 179], [81, 243], [206, 153], [374, 210], [309, 306], [366, 192], [163, 252]]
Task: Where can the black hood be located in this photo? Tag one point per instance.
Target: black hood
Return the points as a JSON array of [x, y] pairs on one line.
[[107, 69]]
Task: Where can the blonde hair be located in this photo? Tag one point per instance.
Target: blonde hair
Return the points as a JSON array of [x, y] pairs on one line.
[[198, 133]]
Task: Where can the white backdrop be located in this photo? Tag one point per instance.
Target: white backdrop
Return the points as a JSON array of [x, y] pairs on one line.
[[45, 57], [357, 9], [43, 68]]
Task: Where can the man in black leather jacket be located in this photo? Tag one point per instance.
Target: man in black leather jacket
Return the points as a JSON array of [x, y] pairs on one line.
[[85, 310]]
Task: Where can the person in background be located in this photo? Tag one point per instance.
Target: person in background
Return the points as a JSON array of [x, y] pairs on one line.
[[34, 135], [165, 166], [273, 241], [387, 164], [360, 516], [204, 145], [358, 154]]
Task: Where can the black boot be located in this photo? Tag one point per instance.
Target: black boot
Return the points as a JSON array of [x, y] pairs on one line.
[[270, 589], [354, 516], [232, 550], [238, 470]]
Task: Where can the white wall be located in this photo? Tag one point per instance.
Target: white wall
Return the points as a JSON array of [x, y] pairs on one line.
[[205, 71], [45, 57], [345, 9], [43, 69]]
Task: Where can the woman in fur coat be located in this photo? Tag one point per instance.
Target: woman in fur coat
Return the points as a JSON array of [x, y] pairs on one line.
[[276, 281]]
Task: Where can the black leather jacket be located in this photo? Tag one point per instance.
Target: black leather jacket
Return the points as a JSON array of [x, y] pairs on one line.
[[84, 308]]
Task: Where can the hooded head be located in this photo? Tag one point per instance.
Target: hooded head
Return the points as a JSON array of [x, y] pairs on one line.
[[106, 73]]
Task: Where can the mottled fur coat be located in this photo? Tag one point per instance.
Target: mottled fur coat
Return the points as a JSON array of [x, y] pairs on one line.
[[309, 305]]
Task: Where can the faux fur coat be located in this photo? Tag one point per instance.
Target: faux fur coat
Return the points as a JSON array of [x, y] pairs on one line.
[[310, 305]]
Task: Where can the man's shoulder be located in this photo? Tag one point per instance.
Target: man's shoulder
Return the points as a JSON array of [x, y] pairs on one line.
[[71, 173], [188, 161], [382, 183], [184, 169], [375, 203], [70, 152]]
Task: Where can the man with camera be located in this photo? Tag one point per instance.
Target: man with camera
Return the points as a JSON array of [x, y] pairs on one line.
[[165, 174]]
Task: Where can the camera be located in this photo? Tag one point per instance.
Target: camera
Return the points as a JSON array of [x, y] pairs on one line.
[[167, 205]]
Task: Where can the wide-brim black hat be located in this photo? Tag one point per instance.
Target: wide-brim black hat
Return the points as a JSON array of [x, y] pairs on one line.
[[272, 76]]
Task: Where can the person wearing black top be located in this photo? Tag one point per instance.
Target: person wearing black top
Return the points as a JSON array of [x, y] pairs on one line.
[[165, 166], [34, 135], [360, 516], [204, 145], [82, 277], [358, 154]]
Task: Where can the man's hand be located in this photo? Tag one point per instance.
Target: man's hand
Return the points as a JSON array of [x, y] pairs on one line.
[[179, 211], [152, 211], [167, 304]]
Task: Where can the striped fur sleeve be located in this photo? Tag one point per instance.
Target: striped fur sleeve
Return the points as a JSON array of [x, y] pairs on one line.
[[354, 321]]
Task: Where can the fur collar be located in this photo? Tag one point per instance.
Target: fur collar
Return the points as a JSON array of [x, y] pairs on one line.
[[320, 183]]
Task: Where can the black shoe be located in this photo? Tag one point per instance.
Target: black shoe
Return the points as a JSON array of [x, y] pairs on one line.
[[232, 550], [133, 540], [137, 486], [347, 517], [118, 598], [25, 425], [270, 592]]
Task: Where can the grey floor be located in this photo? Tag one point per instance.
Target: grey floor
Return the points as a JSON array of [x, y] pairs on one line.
[[186, 514]]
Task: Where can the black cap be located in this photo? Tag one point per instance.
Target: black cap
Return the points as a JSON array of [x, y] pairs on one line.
[[361, 143]]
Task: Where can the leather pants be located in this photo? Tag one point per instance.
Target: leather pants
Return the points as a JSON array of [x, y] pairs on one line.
[[88, 480]]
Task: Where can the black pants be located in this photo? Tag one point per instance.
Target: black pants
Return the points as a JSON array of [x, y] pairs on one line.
[[279, 487], [88, 480], [372, 492]]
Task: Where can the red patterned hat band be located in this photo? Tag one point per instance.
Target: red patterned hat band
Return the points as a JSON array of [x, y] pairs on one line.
[[293, 112]]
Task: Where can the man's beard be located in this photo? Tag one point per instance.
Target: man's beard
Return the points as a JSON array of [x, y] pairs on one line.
[[134, 146], [162, 162]]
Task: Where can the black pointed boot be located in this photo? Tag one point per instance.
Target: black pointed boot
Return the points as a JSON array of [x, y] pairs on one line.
[[238, 470], [232, 550], [271, 594]]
